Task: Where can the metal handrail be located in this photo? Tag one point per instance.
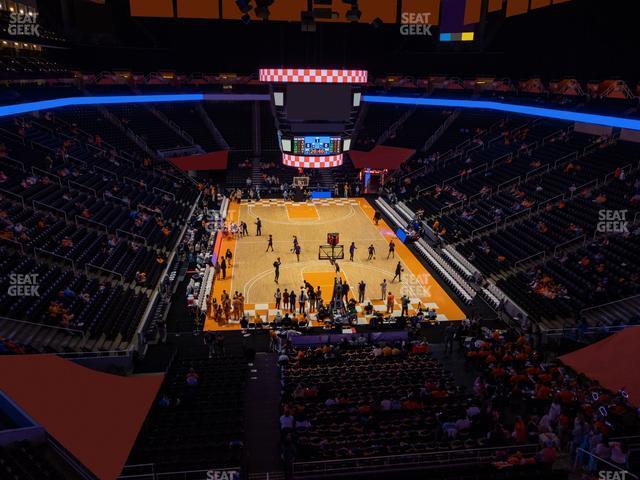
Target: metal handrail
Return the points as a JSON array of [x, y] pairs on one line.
[[48, 174], [88, 220], [618, 468], [12, 194], [486, 226], [173, 196], [475, 455], [531, 257], [87, 266], [53, 254], [126, 234], [508, 182], [569, 242], [80, 186], [104, 170], [535, 171], [72, 331], [18, 162], [49, 207], [608, 303]]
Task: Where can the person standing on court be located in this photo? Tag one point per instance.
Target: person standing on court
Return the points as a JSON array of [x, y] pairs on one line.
[[352, 250], [296, 249], [258, 227], [223, 268], [312, 299], [390, 302], [276, 268], [398, 274], [383, 289], [292, 301], [345, 291], [361, 290], [318, 298], [302, 301], [405, 306], [392, 250], [278, 297], [372, 251], [245, 229], [285, 300], [270, 244]]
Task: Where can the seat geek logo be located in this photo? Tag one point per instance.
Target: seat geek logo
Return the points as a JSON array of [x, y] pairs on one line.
[[223, 475], [23, 24], [612, 221], [23, 285], [612, 475], [415, 23]]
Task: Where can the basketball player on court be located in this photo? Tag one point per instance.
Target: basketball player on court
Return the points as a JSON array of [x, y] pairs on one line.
[[258, 227], [372, 251], [392, 250], [270, 244], [398, 274], [276, 269], [352, 250]]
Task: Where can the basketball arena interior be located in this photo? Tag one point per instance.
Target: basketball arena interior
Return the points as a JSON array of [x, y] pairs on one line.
[[319, 239]]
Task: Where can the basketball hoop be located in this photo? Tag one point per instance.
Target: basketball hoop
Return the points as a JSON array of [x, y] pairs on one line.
[[301, 182]]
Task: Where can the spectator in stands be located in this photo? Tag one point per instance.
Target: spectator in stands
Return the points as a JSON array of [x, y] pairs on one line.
[[192, 377], [141, 278]]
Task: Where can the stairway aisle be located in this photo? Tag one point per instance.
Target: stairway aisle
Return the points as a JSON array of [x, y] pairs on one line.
[[262, 427], [256, 172]]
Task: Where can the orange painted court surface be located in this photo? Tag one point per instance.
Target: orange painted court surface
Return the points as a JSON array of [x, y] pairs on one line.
[[251, 271]]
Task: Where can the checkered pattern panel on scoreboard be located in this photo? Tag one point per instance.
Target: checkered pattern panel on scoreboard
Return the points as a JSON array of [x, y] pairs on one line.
[[309, 75], [325, 161]]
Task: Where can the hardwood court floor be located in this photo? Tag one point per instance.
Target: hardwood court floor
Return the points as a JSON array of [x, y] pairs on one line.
[[252, 270]]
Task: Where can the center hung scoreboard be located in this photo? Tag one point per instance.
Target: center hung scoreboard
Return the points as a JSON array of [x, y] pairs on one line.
[[316, 145], [315, 111]]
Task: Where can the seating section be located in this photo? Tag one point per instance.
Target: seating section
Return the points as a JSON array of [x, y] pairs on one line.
[[234, 121], [418, 128], [552, 224], [25, 461], [200, 425], [607, 268], [93, 221], [30, 67], [90, 121], [86, 184], [359, 402], [107, 313], [187, 117], [471, 124], [155, 132], [82, 246], [354, 401], [378, 119]]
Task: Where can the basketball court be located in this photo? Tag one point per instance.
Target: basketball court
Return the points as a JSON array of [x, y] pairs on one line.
[[252, 271]]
